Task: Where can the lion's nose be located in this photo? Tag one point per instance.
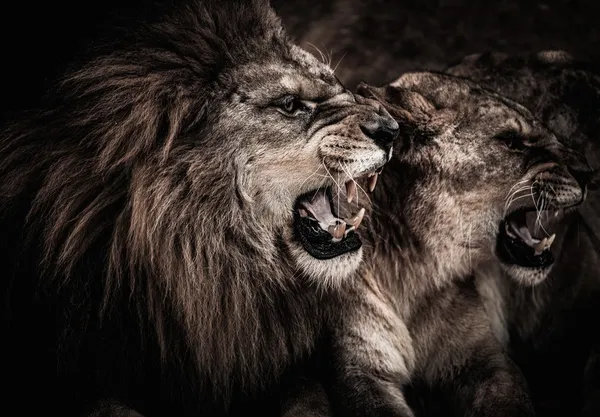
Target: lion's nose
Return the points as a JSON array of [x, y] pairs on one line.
[[383, 130]]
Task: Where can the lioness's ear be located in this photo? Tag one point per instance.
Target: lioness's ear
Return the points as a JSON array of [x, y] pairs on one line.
[[402, 104], [411, 101], [443, 91]]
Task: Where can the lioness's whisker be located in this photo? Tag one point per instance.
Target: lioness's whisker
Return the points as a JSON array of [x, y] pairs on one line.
[[514, 197]]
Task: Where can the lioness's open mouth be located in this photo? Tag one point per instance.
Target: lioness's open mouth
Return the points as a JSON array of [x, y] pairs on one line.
[[321, 232], [526, 236]]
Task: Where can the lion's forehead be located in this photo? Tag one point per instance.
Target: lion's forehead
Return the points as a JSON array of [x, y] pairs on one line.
[[312, 65], [288, 77]]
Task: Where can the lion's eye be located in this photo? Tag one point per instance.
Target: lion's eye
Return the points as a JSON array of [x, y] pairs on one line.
[[290, 105], [512, 140]]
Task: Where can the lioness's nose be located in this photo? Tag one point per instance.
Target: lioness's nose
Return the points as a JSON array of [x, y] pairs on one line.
[[578, 167], [382, 129], [582, 174]]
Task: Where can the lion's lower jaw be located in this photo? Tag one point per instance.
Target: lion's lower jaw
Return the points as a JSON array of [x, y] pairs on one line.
[[328, 273], [528, 277]]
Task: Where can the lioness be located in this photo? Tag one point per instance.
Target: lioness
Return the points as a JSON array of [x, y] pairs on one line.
[[441, 206], [554, 326]]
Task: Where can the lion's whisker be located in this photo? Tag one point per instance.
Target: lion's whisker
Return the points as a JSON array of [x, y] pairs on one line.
[[312, 175], [339, 62], [331, 176], [357, 186], [319, 51]]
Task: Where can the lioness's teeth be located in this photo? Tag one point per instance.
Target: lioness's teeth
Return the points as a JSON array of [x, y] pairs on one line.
[[338, 230], [556, 213], [544, 244], [540, 246], [350, 190], [373, 181]]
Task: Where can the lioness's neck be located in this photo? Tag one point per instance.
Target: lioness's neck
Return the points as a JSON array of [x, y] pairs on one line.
[[406, 266]]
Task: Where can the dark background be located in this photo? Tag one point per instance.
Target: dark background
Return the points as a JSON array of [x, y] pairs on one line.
[[378, 39], [375, 39]]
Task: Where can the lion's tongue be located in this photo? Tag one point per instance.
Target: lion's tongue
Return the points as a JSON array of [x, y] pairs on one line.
[[319, 208]]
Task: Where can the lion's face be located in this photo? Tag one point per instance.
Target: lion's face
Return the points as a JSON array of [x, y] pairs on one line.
[[300, 137], [485, 177]]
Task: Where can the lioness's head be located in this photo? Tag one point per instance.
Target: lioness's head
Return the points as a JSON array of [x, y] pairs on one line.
[[484, 176]]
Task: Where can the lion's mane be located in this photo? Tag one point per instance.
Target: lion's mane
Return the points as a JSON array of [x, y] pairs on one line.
[[126, 239]]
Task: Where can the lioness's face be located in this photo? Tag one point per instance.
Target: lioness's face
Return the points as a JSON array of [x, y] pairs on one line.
[[302, 137], [484, 177]]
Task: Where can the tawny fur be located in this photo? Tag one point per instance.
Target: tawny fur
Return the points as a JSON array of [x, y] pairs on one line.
[[415, 317], [146, 213], [553, 325]]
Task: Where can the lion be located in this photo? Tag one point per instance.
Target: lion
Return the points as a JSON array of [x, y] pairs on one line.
[[551, 327], [445, 205], [166, 221]]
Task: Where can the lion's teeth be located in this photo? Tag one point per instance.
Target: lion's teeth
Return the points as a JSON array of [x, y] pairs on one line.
[[338, 230], [359, 218], [556, 213], [373, 181], [350, 190], [356, 219]]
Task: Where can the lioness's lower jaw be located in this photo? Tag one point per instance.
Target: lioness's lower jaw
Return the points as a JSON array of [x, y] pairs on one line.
[[514, 250], [525, 237]]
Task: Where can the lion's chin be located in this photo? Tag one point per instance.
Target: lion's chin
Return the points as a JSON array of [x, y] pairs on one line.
[[329, 273]]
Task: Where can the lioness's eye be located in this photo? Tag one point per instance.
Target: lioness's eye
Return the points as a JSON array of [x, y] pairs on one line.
[[291, 105], [512, 140]]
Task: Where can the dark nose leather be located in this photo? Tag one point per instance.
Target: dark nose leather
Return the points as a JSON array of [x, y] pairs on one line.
[[582, 174], [382, 129], [578, 167]]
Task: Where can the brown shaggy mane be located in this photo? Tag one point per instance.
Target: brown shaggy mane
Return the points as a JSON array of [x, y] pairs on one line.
[[114, 259]]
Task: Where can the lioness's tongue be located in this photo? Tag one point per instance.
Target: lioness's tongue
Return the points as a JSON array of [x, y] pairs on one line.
[[518, 227]]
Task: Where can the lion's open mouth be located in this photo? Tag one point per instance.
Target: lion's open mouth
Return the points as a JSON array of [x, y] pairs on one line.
[[526, 236], [321, 232]]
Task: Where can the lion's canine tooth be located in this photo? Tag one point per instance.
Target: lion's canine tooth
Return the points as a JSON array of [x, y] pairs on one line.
[[373, 181], [356, 219], [338, 230], [350, 190], [556, 213]]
